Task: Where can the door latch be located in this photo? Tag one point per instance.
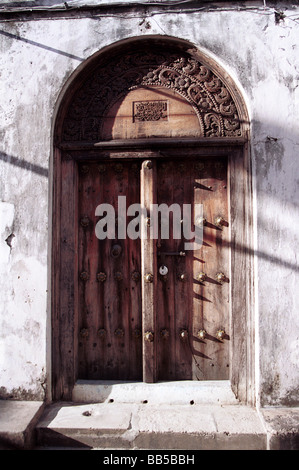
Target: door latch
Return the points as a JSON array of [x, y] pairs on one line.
[[171, 253]]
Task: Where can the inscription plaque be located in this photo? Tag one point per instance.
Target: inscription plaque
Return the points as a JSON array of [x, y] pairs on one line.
[[156, 110]]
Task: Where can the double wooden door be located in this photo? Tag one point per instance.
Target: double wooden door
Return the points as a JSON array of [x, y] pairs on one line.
[[149, 307]]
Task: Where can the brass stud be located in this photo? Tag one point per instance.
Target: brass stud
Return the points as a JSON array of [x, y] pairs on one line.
[[184, 334], [148, 277], [135, 168], [149, 336], [101, 168], [201, 221], [84, 169], [102, 333], [202, 334], [220, 277], [84, 276], [201, 277], [84, 221], [137, 333], [135, 276], [200, 166], [118, 276], [84, 333], [220, 334], [164, 333], [101, 277], [116, 251], [118, 167], [183, 277], [119, 332], [219, 221]]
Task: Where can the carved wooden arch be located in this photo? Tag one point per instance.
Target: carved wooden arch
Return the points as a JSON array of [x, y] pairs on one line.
[[149, 64]]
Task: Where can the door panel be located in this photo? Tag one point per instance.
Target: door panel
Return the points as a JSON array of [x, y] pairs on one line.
[[185, 305], [110, 299]]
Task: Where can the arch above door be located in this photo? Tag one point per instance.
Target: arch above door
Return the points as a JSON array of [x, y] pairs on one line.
[[161, 65], [148, 94]]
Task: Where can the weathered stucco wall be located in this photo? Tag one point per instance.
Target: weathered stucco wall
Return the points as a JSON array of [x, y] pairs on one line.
[[37, 58]]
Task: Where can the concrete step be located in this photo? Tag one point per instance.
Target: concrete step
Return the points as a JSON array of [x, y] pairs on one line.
[[17, 423], [146, 426]]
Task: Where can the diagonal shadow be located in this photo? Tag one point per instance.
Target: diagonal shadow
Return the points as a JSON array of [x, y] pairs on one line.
[[19, 162], [256, 252], [42, 46]]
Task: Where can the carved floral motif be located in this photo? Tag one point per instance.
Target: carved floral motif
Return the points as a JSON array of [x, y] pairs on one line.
[[211, 100]]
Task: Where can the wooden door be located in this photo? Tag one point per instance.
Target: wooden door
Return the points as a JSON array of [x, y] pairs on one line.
[[192, 298], [109, 294], [171, 325]]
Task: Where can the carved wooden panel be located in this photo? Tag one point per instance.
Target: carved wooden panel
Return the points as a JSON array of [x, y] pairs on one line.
[[157, 112], [179, 71]]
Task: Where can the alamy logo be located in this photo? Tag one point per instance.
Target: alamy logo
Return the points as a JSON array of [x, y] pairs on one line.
[[155, 223]]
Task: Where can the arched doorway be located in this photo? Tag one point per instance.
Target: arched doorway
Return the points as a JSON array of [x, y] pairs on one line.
[[151, 123]]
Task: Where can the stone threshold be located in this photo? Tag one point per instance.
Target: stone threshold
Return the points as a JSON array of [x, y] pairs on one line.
[[167, 393]]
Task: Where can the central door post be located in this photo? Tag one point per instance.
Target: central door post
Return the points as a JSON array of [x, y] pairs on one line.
[[148, 271]]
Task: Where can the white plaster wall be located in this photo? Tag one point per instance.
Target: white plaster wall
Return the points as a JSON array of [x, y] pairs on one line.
[[37, 59]]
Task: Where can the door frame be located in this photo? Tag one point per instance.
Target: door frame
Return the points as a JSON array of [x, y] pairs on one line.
[[64, 238]]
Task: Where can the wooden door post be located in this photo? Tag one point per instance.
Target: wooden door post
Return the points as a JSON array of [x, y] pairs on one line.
[[148, 271]]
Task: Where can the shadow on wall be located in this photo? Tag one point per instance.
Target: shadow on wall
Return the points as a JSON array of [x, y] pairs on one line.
[[21, 163], [42, 46]]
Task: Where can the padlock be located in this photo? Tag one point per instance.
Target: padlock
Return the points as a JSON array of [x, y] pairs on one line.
[[163, 270]]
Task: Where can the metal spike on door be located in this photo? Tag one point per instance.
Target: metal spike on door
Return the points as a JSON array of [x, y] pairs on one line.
[[202, 334], [201, 277], [219, 221], [220, 334], [220, 277]]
